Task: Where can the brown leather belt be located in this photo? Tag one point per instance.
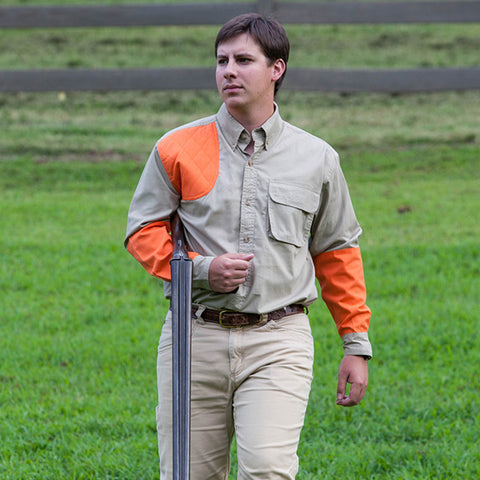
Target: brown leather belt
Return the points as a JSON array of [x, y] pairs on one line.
[[230, 319]]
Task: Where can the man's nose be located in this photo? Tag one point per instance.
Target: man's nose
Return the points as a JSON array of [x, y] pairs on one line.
[[230, 70]]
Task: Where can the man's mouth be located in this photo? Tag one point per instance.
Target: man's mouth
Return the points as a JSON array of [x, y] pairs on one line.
[[231, 88]]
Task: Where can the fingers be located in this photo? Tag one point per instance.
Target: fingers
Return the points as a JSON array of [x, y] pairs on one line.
[[355, 396], [228, 271], [354, 371]]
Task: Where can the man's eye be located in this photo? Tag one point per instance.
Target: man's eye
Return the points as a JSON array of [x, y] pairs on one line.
[[221, 61]]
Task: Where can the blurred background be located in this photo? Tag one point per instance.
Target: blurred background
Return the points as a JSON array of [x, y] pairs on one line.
[[394, 89]]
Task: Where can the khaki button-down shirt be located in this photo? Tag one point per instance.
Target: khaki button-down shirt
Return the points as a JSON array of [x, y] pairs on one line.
[[286, 203]]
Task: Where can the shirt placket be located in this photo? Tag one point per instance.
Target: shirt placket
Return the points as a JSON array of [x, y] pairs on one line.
[[247, 213]]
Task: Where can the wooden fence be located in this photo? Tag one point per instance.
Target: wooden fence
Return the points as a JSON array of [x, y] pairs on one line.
[[328, 80]]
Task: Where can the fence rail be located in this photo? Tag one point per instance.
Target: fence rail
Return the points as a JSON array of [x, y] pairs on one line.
[[218, 13], [299, 79], [327, 80]]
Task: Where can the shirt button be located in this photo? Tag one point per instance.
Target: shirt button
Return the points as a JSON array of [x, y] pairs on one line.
[[250, 163], [246, 240], [247, 203]]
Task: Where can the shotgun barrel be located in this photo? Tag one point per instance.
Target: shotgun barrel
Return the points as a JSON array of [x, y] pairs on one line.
[[181, 305]]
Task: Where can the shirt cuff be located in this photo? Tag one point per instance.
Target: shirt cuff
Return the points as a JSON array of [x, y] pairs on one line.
[[357, 344], [201, 266]]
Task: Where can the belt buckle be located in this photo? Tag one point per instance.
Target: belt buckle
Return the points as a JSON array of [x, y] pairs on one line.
[[220, 319], [262, 317]]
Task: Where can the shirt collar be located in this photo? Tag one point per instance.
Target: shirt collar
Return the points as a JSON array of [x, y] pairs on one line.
[[236, 134]]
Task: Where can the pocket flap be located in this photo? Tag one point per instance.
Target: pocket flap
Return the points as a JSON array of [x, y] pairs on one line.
[[294, 196]]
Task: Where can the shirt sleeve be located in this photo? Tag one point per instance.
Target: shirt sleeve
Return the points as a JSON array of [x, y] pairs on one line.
[[338, 263], [148, 237], [155, 198]]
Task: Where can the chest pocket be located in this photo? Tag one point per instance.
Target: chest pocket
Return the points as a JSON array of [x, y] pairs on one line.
[[290, 212]]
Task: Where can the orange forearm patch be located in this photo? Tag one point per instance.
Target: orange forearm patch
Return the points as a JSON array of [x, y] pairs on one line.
[[152, 247], [341, 278]]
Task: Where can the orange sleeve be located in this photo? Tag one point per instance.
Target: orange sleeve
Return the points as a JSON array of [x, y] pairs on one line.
[[152, 247], [340, 273]]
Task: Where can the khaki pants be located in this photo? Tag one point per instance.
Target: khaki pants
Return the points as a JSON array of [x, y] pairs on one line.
[[251, 381]]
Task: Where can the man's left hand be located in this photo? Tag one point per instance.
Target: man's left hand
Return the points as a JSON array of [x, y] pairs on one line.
[[354, 370]]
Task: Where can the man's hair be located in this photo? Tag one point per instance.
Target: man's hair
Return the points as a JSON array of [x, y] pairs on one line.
[[267, 32]]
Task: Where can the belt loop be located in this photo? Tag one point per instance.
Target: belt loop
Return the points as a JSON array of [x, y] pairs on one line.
[[199, 310]]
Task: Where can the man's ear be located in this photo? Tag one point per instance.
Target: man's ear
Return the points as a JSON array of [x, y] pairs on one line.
[[278, 69]]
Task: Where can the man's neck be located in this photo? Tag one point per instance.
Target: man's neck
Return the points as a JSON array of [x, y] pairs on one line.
[[252, 120]]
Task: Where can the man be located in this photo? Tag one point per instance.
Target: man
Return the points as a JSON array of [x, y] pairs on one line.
[[265, 209]]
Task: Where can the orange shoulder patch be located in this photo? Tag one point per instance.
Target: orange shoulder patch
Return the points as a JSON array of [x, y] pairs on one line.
[[191, 159]]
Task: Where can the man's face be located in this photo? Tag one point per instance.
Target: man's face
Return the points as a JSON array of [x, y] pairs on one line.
[[245, 76]]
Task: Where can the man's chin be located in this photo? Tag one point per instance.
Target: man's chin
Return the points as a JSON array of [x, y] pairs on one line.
[[234, 101]]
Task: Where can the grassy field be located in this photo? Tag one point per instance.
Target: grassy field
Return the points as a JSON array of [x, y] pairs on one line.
[[80, 322], [340, 46], [80, 319]]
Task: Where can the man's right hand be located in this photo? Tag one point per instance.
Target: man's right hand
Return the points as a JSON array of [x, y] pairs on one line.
[[228, 271]]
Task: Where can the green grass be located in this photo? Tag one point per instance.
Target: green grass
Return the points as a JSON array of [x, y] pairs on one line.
[[125, 125], [80, 321], [77, 336], [336, 46]]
